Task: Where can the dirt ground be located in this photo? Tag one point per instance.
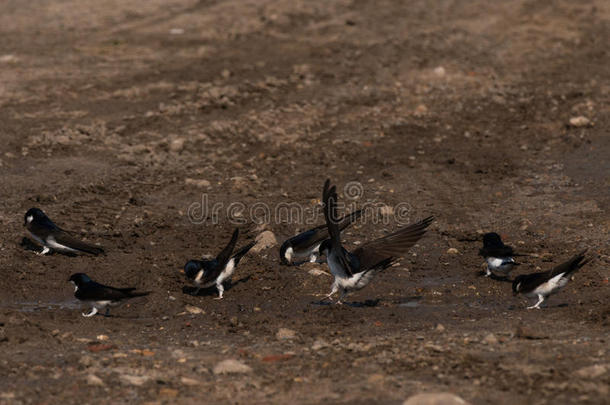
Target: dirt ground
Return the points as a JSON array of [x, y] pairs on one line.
[[119, 118]]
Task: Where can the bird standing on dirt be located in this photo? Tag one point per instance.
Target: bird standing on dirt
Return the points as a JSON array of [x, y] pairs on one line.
[[206, 273], [354, 270], [542, 285], [498, 256], [98, 295], [306, 245], [51, 237]]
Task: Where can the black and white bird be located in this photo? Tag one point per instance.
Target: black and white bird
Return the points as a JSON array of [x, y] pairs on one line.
[[206, 273], [354, 270], [498, 256], [52, 237], [542, 285], [306, 245], [98, 295]]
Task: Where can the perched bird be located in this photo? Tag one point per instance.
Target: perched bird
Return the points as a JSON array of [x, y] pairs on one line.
[[354, 270], [206, 273], [51, 237], [306, 245], [98, 295], [498, 256], [542, 285]]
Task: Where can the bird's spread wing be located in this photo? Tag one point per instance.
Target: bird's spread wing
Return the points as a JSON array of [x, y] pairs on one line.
[[224, 256], [384, 251], [320, 233], [65, 239], [329, 197]]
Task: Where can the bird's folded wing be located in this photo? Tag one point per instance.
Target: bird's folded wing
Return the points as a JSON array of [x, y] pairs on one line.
[[65, 239], [224, 256]]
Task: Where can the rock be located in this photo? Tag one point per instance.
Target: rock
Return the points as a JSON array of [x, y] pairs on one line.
[[442, 398], [524, 332], [594, 371], [439, 71], [176, 145], [420, 110], [136, 380], [55, 332], [231, 366], [318, 272], [579, 121], [386, 211], [191, 309], [85, 361], [176, 31], [440, 328], [101, 338], [284, 334], [189, 381], [452, 251], [168, 392], [92, 379], [319, 344], [490, 339], [197, 182], [264, 240]]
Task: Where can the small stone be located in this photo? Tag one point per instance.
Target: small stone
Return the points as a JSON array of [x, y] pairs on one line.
[[317, 272], [421, 110], [442, 398], [319, 344], [440, 328], [197, 182], [452, 251], [231, 366], [490, 339], [189, 381], [176, 31], [55, 332], [136, 380], [375, 378], [594, 371], [439, 71], [168, 392], [226, 73], [579, 121], [191, 309], [101, 338], [176, 145], [284, 333], [85, 361], [92, 379], [386, 211], [264, 240]]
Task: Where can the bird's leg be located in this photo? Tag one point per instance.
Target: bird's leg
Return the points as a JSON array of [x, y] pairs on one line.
[[221, 290], [197, 291], [487, 271], [343, 293], [334, 289], [537, 305], [44, 251], [93, 312], [107, 313], [313, 258]]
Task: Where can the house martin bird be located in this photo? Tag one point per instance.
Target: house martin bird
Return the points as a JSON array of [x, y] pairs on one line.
[[542, 285], [206, 273], [498, 256], [354, 270], [98, 295], [51, 237], [306, 245]]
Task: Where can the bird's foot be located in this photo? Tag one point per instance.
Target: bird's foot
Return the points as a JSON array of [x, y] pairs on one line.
[[44, 251]]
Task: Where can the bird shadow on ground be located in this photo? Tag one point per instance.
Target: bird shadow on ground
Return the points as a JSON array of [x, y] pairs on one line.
[[208, 291], [353, 304]]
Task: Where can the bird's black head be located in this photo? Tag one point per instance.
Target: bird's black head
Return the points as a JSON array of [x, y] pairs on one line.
[[191, 268], [34, 215], [492, 240], [79, 278], [324, 247], [517, 284]]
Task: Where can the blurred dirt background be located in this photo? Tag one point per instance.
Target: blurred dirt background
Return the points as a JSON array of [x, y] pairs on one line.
[[116, 117]]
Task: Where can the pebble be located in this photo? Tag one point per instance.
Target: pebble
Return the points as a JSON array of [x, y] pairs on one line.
[[231, 366], [193, 309], [579, 121], [136, 380], [319, 344], [189, 381], [92, 379], [176, 145], [284, 334], [176, 31], [439, 71], [317, 272], [264, 240], [441, 398], [594, 371], [452, 251], [101, 338], [490, 339], [386, 211], [440, 328], [197, 182]]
